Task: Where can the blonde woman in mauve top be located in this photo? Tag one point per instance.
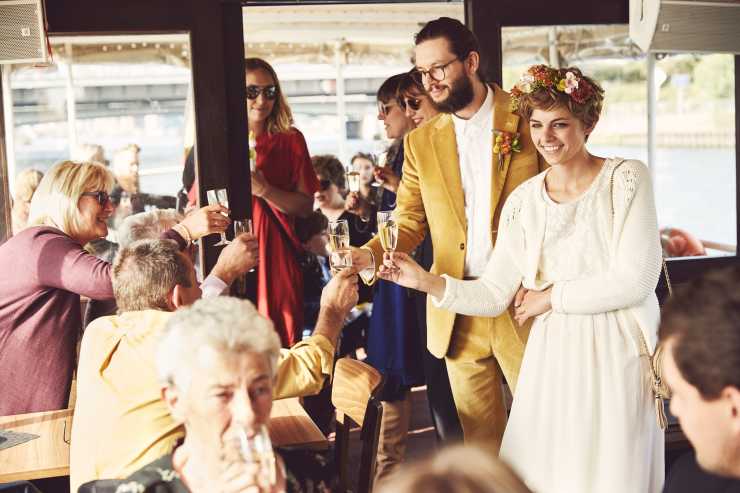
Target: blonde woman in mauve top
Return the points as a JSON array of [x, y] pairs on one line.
[[46, 270], [582, 239]]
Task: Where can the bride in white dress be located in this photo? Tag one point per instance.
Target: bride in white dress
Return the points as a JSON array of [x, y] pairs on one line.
[[582, 238]]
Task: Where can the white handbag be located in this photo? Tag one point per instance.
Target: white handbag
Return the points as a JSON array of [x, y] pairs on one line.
[[659, 388]]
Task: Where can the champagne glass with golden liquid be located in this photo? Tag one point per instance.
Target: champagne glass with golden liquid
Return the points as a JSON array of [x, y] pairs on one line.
[[387, 230]]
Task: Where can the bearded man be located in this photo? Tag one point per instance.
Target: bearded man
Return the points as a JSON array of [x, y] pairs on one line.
[[454, 186]]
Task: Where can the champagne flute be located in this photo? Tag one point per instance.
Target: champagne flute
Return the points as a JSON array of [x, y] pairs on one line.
[[340, 259], [341, 255], [243, 226], [353, 181], [387, 230], [240, 447], [382, 161], [339, 235], [219, 196]]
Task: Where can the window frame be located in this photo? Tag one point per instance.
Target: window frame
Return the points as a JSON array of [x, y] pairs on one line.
[[487, 25], [217, 64], [217, 67]]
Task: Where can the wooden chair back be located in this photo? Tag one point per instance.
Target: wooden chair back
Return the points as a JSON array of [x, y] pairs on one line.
[[354, 394]]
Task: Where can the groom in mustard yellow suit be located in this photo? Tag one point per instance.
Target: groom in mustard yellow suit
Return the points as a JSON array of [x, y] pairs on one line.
[[454, 186]]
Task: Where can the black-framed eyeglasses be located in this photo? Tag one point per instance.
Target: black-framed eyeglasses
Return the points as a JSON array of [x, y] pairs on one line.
[[269, 92], [413, 103], [436, 73], [101, 196], [324, 184], [385, 108]]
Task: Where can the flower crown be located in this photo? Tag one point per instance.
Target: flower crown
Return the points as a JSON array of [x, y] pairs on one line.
[[539, 77]]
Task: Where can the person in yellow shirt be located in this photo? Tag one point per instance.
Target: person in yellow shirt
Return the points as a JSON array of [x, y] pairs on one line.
[[120, 421]]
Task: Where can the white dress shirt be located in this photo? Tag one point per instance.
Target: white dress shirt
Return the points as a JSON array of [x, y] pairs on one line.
[[475, 154], [212, 286]]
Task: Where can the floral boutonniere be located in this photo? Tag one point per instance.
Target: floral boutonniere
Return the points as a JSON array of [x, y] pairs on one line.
[[504, 143]]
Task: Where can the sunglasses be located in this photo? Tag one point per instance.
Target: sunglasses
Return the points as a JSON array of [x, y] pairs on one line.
[[269, 92], [324, 184], [102, 197], [413, 103]]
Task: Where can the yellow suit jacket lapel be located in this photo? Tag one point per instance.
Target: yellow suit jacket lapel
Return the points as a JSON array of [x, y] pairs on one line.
[[445, 150], [503, 119]]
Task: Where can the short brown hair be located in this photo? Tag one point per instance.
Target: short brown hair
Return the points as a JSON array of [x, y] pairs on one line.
[[388, 90], [702, 320], [329, 167], [307, 227], [457, 469], [145, 272], [281, 118], [547, 98], [364, 155], [409, 86], [462, 41]]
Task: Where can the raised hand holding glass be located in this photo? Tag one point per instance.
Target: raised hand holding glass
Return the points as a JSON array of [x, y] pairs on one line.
[[215, 197]]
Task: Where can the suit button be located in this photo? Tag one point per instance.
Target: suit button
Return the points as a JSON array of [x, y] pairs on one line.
[[462, 246]]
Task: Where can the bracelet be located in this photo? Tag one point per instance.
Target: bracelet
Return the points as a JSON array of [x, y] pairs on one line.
[[183, 231]]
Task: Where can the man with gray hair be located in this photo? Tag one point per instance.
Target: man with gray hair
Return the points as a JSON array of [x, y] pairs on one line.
[[120, 421], [234, 260]]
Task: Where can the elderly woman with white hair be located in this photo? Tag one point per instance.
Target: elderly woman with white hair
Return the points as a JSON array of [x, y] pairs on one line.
[[217, 363], [147, 225], [45, 270]]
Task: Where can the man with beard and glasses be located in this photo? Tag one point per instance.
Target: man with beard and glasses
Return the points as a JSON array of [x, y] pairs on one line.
[[454, 186]]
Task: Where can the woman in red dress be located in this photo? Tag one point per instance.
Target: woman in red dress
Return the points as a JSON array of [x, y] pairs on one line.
[[282, 188]]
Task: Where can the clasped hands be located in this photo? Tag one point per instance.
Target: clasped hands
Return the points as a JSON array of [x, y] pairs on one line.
[[529, 303], [401, 269]]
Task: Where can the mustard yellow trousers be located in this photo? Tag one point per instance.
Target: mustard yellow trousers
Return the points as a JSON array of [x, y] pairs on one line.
[[482, 352]]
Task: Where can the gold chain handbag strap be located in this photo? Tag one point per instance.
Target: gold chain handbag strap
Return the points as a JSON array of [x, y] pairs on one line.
[[667, 277], [655, 360]]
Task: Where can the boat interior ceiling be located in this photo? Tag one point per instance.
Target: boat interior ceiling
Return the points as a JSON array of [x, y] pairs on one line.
[[362, 33]]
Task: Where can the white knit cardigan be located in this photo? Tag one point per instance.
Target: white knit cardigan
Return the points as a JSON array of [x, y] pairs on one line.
[[634, 256]]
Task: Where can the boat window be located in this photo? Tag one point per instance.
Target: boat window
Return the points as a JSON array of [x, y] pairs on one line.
[[123, 100], [684, 129]]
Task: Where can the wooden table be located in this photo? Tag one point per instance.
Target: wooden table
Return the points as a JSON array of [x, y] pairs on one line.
[[43, 457], [48, 455], [291, 426]]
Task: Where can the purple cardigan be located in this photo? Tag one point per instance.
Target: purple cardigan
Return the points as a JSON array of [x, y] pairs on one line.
[[43, 272]]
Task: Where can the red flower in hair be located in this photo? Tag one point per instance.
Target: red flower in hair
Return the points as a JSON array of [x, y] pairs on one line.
[[583, 93]]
